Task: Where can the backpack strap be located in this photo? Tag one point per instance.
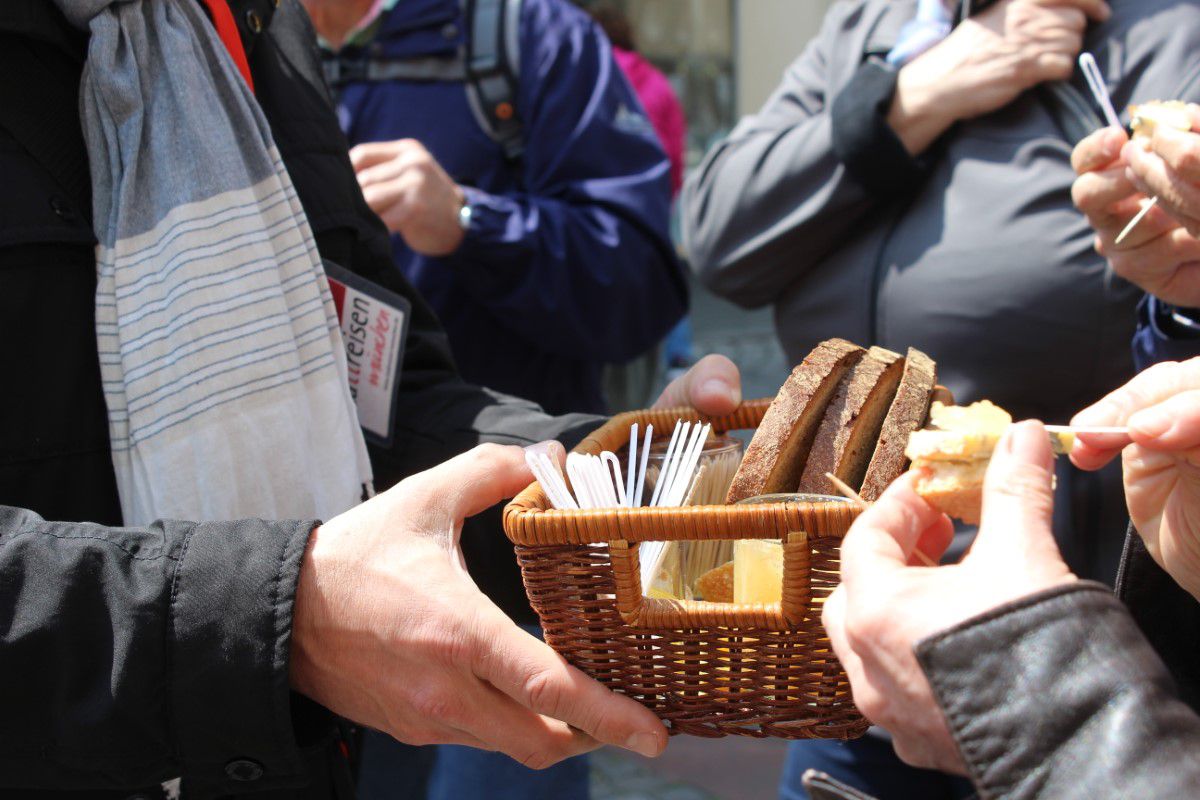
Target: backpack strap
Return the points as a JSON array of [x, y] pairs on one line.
[[341, 68], [493, 62], [489, 66]]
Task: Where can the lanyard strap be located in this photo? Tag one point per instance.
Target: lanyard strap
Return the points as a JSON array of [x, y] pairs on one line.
[[222, 19]]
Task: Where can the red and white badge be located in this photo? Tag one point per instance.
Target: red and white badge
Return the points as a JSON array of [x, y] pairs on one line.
[[374, 324]]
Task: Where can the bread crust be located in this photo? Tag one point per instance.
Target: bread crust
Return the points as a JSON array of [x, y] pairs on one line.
[[909, 411], [846, 440], [776, 455], [716, 585]]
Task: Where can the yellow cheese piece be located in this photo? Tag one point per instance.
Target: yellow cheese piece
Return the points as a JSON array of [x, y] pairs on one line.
[[959, 433], [982, 417], [757, 571], [1146, 117]]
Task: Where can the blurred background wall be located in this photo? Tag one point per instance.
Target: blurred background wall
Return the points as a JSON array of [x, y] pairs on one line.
[[723, 56]]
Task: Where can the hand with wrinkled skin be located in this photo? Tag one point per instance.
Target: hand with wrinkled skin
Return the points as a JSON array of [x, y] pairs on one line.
[[1158, 255], [887, 602], [390, 631], [411, 193], [1161, 408], [987, 62], [1167, 166]]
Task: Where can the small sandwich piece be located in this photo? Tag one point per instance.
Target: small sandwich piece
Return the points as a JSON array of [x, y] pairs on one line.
[[848, 433], [776, 455], [908, 413], [1145, 118], [716, 585], [953, 454]]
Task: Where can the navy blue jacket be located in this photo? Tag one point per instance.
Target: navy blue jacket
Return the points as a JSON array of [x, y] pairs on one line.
[[1152, 344], [568, 263]]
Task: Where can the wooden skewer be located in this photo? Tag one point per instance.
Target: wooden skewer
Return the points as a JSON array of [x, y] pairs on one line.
[[846, 491], [1133, 222], [1114, 430]]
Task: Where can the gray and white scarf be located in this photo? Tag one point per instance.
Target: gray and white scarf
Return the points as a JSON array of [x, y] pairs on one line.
[[223, 366]]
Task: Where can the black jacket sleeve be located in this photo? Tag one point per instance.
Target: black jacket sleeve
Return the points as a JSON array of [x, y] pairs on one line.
[[1061, 696], [130, 656]]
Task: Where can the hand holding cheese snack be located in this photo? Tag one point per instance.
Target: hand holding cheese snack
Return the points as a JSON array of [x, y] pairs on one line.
[[1164, 159], [1158, 254], [888, 607]]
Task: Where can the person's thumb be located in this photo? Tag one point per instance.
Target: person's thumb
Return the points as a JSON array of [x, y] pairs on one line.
[[476, 480], [713, 386], [1018, 504]]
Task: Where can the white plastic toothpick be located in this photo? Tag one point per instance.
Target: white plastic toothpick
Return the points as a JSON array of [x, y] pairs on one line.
[[1095, 82], [668, 465], [636, 500]]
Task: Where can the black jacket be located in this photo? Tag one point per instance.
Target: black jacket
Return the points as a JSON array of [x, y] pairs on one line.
[[131, 656]]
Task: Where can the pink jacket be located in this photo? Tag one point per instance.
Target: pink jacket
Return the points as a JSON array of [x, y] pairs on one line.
[[662, 106]]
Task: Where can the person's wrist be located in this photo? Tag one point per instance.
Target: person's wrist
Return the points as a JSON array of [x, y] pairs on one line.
[[301, 669], [922, 109]]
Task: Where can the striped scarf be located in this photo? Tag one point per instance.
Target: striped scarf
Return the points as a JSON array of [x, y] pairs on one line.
[[222, 363]]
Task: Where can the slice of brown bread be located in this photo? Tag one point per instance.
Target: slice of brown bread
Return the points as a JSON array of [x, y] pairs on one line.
[[850, 430], [908, 413], [775, 457]]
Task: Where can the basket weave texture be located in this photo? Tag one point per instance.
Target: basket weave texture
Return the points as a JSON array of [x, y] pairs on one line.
[[706, 669]]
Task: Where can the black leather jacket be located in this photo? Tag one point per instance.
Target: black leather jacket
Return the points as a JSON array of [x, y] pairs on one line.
[[129, 656], [1073, 693]]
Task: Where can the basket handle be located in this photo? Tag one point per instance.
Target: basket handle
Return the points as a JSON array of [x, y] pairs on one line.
[[640, 611]]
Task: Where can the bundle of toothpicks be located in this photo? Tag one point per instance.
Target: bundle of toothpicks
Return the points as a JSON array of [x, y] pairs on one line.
[[668, 568]]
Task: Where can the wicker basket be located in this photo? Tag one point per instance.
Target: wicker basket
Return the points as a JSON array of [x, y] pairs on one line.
[[707, 669]]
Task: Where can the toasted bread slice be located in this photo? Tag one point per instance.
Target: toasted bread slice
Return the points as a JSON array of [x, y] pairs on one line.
[[716, 585], [849, 432], [908, 413], [954, 487], [776, 455]]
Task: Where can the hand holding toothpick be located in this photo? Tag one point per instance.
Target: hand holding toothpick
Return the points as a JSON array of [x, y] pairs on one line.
[[1152, 250], [1095, 82]]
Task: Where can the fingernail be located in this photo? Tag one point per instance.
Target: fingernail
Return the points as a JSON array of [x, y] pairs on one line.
[[1153, 422], [719, 388], [645, 744]]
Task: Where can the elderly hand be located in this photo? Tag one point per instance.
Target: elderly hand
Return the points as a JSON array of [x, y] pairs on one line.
[[887, 603], [986, 62], [1161, 407], [1158, 255], [390, 631], [713, 386], [1167, 166], [411, 193]]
